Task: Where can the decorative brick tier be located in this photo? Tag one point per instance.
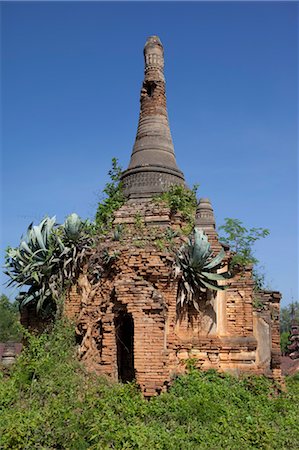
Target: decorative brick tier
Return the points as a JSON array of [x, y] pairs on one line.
[[149, 181]]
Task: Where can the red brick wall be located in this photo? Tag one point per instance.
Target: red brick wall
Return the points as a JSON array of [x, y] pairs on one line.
[[140, 282]]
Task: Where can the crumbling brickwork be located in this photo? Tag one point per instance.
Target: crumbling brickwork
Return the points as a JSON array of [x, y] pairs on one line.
[[267, 332], [130, 326], [239, 321], [128, 319]]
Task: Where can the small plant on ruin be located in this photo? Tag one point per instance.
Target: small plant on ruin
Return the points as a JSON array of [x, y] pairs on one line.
[[118, 232], [109, 257], [159, 244], [171, 234], [113, 199], [139, 243], [138, 221], [180, 199], [257, 303], [47, 260], [166, 240], [197, 266]]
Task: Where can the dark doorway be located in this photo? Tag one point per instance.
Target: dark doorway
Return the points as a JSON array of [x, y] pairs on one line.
[[124, 333]]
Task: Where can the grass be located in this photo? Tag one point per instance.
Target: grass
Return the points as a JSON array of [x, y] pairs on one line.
[[48, 401]]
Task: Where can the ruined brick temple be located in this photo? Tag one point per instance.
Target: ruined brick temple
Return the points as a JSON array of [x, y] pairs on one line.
[[129, 325]]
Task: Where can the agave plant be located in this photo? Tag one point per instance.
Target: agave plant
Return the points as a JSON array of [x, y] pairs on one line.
[[72, 227], [33, 261], [197, 266], [47, 258], [78, 243]]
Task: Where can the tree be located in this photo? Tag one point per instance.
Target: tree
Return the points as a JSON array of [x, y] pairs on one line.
[[241, 240], [9, 320]]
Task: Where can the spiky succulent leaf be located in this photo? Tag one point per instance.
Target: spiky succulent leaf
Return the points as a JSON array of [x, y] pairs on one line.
[[215, 276], [200, 248], [215, 261], [195, 262], [213, 287]]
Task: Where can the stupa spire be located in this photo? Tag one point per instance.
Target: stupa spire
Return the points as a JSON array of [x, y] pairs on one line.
[[152, 167], [205, 215]]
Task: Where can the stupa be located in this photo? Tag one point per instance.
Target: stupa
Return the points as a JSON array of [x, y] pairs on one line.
[[130, 324], [153, 168]]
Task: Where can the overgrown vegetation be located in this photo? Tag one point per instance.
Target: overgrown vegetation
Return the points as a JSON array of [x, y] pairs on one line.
[[48, 402], [180, 199], [113, 199]]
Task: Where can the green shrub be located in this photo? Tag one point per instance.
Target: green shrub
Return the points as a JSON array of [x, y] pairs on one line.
[[183, 200], [48, 402]]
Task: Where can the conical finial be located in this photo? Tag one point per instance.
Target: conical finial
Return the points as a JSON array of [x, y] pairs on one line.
[[154, 59], [152, 169], [205, 215]]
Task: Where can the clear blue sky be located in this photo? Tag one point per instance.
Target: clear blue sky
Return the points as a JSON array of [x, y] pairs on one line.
[[71, 77]]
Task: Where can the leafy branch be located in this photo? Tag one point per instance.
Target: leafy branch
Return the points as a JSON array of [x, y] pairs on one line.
[[113, 199], [241, 241]]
